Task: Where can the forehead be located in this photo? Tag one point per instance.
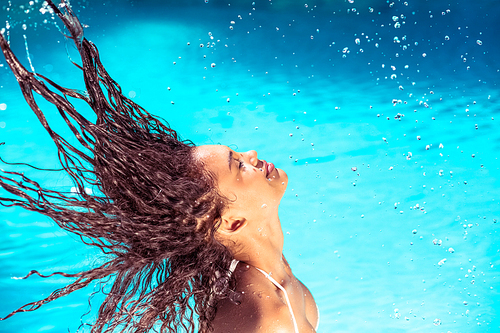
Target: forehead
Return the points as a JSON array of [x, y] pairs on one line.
[[214, 158]]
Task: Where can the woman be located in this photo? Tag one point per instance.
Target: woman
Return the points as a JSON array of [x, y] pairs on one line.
[[250, 228], [173, 220]]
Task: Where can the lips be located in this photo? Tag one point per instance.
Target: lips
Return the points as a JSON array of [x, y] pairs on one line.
[[268, 168]]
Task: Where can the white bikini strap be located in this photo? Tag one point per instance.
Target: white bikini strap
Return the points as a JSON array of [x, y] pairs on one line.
[[279, 286], [234, 263]]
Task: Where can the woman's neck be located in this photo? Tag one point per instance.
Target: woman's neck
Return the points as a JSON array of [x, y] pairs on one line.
[[263, 249]]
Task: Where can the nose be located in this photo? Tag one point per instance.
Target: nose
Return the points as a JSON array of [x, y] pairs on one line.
[[252, 157]]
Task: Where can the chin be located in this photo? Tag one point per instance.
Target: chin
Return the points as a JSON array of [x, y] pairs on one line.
[[283, 178]]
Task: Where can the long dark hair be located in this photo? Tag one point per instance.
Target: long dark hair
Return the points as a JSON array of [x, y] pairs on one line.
[[152, 211]]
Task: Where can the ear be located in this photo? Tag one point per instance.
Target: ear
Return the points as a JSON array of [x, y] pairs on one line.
[[231, 226]]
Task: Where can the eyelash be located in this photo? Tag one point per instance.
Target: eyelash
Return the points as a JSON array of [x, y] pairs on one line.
[[241, 164]]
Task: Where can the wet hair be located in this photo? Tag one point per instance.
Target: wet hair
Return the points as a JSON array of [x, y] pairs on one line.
[[151, 211]]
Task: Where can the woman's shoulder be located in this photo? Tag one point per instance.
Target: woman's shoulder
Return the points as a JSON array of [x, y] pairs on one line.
[[262, 307], [260, 310]]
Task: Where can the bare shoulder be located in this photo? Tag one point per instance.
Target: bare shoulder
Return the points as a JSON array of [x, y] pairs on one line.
[[252, 315], [262, 308], [312, 311], [259, 311]]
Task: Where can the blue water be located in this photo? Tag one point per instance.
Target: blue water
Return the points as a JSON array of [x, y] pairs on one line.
[[408, 242]]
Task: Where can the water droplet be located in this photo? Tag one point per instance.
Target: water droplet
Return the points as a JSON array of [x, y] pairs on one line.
[[479, 42], [446, 37], [437, 322], [357, 41], [3, 106], [451, 250], [213, 65], [414, 231], [263, 206]]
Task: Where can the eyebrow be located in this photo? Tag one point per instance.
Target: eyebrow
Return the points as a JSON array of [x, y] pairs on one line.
[[230, 159]]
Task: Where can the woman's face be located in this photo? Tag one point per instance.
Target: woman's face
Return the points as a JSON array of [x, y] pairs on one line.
[[254, 187]]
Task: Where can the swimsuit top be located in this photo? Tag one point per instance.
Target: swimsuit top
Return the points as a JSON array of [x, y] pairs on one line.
[[234, 263]]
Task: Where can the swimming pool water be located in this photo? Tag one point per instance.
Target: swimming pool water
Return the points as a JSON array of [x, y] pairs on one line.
[[383, 114]]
